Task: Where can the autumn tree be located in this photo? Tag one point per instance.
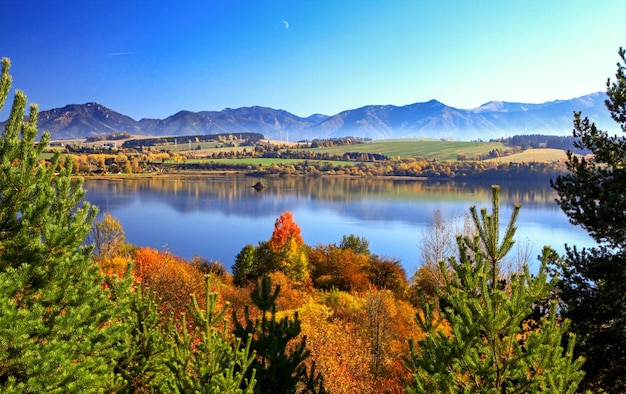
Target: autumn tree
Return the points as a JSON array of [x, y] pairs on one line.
[[341, 352], [206, 266], [60, 328], [379, 309], [244, 267], [170, 277], [593, 281], [438, 242], [287, 242], [479, 340], [285, 251], [108, 236], [387, 273], [80, 164], [285, 229], [343, 269]]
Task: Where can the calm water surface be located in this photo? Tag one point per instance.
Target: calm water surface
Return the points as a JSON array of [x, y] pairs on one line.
[[216, 217]]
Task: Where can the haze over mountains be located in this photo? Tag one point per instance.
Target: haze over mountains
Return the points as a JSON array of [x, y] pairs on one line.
[[431, 119]]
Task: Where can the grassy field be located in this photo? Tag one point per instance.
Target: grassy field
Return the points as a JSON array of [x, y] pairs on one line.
[[540, 155], [428, 149]]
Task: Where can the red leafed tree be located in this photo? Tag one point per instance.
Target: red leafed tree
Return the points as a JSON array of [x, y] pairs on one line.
[[288, 248], [285, 230]]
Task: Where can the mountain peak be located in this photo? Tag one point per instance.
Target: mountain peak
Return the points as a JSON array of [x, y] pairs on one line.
[[434, 102], [490, 106], [83, 120]]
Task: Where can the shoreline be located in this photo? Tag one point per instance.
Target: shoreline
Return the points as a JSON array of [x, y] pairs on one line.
[[200, 174], [224, 174]]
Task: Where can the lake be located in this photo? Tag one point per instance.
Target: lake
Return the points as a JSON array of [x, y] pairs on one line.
[[215, 217]]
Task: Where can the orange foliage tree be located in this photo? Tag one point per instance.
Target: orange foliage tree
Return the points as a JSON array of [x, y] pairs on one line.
[[285, 229], [343, 269], [287, 243], [172, 278]]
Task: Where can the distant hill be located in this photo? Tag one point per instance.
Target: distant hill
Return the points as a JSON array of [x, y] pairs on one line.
[[431, 119], [262, 120], [77, 121]]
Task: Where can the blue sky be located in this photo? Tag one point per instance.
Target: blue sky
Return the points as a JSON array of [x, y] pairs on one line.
[[151, 59]]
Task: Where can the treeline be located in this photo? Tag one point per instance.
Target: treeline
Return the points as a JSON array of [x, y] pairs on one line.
[[142, 155], [544, 141], [329, 142], [419, 168], [272, 152], [148, 142], [109, 137], [492, 154]]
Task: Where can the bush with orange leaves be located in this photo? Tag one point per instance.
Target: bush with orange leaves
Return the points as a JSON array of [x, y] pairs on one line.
[[172, 278]]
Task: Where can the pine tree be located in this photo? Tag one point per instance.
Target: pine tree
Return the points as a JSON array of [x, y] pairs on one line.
[[208, 359], [59, 328], [142, 366], [481, 340], [593, 281], [279, 367]]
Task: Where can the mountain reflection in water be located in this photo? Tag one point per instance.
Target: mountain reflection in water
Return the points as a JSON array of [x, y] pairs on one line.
[[216, 217]]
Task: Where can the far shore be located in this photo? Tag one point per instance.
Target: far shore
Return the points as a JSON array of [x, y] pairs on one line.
[[221, 173]]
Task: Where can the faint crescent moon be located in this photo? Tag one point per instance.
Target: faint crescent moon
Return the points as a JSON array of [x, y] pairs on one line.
[[286, 24]]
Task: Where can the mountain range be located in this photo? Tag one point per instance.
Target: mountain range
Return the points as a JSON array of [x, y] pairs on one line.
[[431, 119]]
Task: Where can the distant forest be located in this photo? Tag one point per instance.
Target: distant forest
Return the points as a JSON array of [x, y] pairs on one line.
[[544, 141], [138, 143]]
